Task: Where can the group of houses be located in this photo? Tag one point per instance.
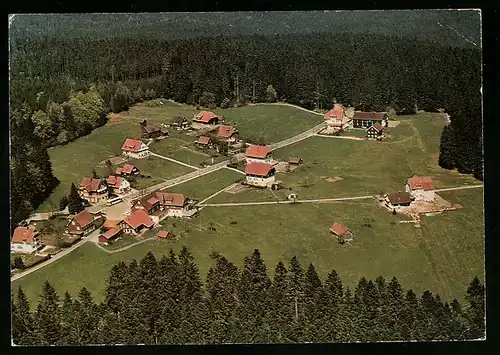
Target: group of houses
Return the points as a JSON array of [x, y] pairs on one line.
[[98, 190], [417, 188], [341, 119]]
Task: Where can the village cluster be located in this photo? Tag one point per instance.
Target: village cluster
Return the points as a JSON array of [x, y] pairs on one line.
[[260, 168]]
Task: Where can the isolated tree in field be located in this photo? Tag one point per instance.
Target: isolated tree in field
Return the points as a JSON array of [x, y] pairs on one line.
[[75, 203], [47, 317], [22, 320], [271, 95]]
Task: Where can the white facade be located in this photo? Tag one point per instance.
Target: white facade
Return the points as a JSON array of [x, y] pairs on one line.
[[26, 248], [124, 187], [267, 160], [143, 152], [175, 212], [260, 181], [420, 194]]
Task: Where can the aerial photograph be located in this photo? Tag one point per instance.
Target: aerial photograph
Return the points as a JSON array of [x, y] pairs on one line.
[[246, 177]]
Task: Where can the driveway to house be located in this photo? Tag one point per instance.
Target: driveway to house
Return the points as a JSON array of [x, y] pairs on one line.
[[341, 137], [323, 200], [460, 188], [91, 237]]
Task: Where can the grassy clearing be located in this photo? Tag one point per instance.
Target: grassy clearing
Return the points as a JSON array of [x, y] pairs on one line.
[[272, 122], [160, 168], [421, 258], [207, 185], [120, 242]]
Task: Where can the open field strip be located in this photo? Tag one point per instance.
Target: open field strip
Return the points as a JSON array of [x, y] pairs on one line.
[[173, 160]]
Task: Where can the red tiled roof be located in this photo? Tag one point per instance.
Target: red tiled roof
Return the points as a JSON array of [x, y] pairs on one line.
[[257, 151], [111, 233], [152, 200], [131, 145], [259, 169], [205, 116], [24, 234], [127, 169], [139, 218], [378, 126], [366, 116], [226, 131], [90, 184], [338, 229], [170, 199], [420, 182], [336, 112], [204, 140], [83, 218], [109, 223], [114, 181], [162, 234]]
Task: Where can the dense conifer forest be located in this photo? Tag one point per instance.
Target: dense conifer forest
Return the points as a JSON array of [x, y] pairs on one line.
[[165, 302], [65, 86]]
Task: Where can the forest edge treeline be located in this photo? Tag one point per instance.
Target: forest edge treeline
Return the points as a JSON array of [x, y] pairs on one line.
[[65, 88], [165, 302]]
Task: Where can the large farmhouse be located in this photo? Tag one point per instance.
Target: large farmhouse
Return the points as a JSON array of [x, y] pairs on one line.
[[25, 240], [366, 119], [135, 148], [153, 131], [164, 203], [92, 190], [208, 118], [260, 174], [337, 118], [136, 222], [81, 224], [227, 134], [118, 184], [258, 154], [420, 188]]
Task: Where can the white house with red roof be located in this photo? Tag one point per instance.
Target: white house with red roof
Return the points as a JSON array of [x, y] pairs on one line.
[[92, 190], [420, 188], [25, 240], [208, 118], [135, 148], [259, 154], [337, 118], [118, 184], [138, 221], [127, 169], [228, 133], [260, 174]]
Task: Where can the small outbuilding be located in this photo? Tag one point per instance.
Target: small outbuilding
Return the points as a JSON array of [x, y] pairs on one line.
[[290, 195], [163, 235], [341, 232]]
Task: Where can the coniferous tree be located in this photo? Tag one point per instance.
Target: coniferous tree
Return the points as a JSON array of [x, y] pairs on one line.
[[22, 320], [475, 312], [279, 315], [47, 317], [448, 150], [67, 320], [63, 203], [75, 203]]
